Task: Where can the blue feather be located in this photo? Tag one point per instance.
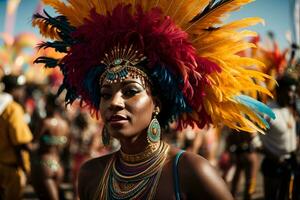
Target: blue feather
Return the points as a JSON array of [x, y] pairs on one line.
[[91, 84], [263, 120], [167, 85], [258, 106]]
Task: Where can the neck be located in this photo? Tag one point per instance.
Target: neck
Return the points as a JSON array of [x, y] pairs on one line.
[[137, 144], [134, 145], [151, 151], [139, 150]]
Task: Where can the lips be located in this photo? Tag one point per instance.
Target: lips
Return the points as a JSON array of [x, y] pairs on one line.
[[117, 120]]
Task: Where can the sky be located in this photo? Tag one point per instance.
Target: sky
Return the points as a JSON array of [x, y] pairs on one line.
[[276, 13]]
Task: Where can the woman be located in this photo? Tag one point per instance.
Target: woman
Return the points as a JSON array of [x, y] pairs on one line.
[[244, 156], [47, 170], [279, 145], [143, 65], [127, 108]]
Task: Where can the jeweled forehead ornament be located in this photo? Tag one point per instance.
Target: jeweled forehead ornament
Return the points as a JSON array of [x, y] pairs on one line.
[[122, 63]]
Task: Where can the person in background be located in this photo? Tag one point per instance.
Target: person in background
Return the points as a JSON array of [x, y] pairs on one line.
[[192, 139], [243, 156], [46, 162], [85, 144], [280, 143], [15, 139]]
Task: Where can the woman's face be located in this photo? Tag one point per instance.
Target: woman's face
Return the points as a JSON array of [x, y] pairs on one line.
[[126, 108]]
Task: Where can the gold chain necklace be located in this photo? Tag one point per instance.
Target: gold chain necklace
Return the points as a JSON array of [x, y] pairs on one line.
[[142, 156], [122, 180]]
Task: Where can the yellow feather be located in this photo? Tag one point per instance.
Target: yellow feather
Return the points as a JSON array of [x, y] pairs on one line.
[[227, 49], [81, 8], [233, 115], [235, 60], [77, 10], [231, 81], [243, 23], [252, 116], [208, 107], [182, 11], [220, 45], [98, 6], [66, 10], [220, 42], [218, 94], [46, 30], [214, 16]]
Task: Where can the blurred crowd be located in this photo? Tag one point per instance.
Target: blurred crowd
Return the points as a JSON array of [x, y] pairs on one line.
[[43, 143], [43, 139]]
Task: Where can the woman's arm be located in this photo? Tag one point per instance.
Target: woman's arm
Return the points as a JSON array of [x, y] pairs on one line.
[[200, 179]]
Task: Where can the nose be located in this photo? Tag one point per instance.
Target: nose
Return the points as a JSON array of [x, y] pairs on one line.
[[117, 102]]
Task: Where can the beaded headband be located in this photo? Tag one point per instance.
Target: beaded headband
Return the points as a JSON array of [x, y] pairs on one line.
[[122, 63]]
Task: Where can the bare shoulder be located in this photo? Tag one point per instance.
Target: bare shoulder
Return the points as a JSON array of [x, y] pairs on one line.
[[90, 175], [199, 179], [88, 168]]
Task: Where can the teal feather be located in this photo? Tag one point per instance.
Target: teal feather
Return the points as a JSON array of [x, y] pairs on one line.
[[263, 120], [258, 106]]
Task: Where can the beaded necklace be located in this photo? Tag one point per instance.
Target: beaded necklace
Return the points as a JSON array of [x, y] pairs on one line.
[[142, 156], [123, 180]]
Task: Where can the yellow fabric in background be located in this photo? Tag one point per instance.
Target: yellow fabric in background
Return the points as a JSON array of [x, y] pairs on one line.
[[13, 181], [13, 131]]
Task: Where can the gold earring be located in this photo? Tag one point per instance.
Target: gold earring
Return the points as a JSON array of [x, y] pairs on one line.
[[154, 130]]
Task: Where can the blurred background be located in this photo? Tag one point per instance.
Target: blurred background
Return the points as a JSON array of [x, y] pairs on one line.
[[77, 135]]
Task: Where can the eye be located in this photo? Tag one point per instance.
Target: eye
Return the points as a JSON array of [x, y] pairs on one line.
[[105, 95], [130, 92]]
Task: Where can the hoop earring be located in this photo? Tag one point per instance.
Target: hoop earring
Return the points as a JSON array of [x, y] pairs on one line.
[[105, 137], [154, 130]]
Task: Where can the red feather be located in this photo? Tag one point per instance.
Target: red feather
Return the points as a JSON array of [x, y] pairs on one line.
[[155, 35]]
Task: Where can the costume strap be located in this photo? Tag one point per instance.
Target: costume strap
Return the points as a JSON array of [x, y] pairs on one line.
[[176, 174]]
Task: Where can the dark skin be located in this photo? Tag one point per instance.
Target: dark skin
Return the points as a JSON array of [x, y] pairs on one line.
[[197, 177], [45, 180]]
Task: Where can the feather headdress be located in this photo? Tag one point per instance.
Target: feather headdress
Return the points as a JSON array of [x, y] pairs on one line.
[[275, 60], [191, 55]]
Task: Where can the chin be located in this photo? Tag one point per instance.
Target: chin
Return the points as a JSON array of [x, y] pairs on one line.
[[120, 133]]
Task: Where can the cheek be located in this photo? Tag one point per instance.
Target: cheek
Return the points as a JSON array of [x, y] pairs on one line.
[[141, 109]]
